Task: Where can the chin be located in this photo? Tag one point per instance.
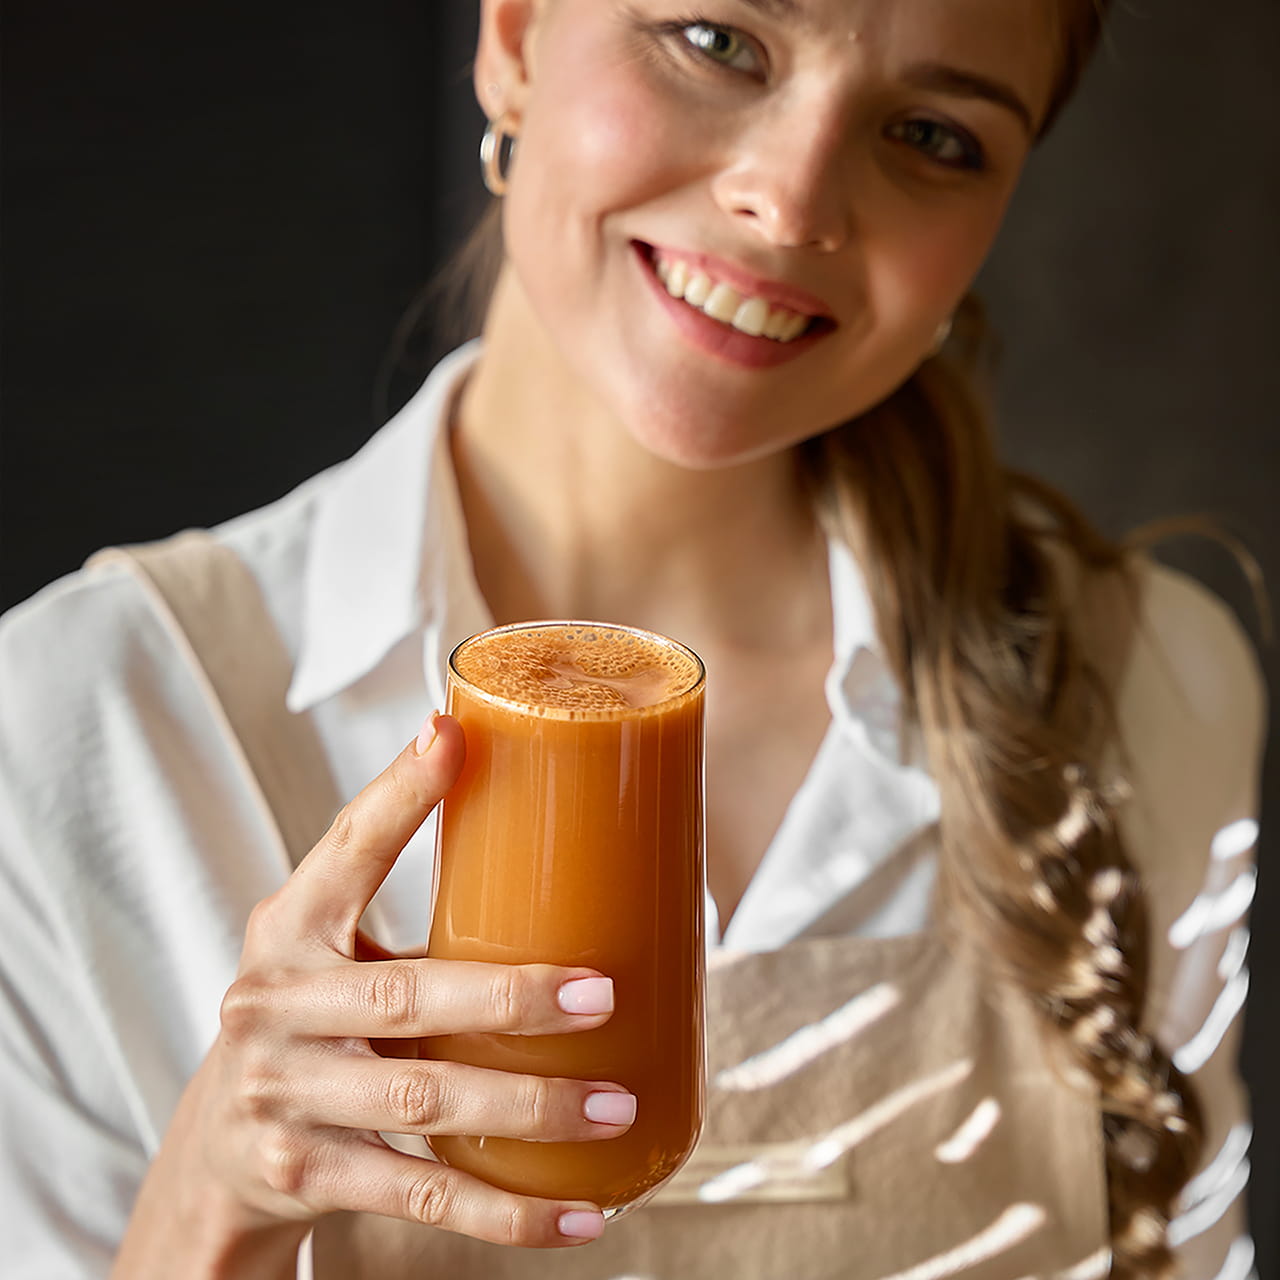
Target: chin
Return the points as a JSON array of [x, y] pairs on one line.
[[694, 442], [704, 433]]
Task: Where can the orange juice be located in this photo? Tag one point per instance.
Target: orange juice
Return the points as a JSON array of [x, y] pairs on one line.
[[574, 837]]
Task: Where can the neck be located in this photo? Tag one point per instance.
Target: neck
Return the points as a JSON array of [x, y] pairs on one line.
[[568, 516]]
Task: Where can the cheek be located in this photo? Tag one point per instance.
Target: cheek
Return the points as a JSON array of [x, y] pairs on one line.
[[620, 146], [603, 139], [926, 259]]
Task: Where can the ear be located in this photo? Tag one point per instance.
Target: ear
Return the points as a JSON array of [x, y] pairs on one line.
[[502, 72]]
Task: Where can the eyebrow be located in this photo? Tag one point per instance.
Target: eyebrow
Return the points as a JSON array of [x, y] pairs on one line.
[[943, 78], [777, 8], [793, 12]]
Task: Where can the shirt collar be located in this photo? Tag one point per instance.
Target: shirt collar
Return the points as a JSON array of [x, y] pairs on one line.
[[864, 699], [385, 530]]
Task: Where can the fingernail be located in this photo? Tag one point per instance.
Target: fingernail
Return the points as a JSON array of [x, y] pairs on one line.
[[586, 995], [581, 1224], [610, 1108], [427, 734]]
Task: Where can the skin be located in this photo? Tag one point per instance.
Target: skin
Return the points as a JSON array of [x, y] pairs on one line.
[[608, 467]]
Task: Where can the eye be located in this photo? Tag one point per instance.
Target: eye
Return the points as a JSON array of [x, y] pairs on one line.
[[722, 45], [944, 143]]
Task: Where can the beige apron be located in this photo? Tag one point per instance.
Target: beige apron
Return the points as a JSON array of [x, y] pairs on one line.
[[876, 1108]]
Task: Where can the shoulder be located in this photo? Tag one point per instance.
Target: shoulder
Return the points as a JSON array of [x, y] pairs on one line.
[[57, 647], [88, 665], [1191, 711], [85, 625], [1192, 669]]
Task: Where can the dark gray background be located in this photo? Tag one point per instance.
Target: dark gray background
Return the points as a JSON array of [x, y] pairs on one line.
[[215, 214]]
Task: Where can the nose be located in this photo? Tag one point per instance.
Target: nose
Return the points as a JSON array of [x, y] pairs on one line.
[[789, 179]]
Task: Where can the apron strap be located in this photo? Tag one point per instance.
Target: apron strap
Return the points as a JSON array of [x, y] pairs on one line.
[[208, 594]]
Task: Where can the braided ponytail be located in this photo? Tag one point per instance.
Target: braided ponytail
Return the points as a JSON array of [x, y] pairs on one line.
[[978, 577]]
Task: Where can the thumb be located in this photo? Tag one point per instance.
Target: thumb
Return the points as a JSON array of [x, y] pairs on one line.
[[334, 883]]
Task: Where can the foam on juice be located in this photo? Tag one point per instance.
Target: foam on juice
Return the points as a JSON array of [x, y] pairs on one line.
[[576, 671]]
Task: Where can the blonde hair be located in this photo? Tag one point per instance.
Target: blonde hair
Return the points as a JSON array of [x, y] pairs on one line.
[[980, 579]]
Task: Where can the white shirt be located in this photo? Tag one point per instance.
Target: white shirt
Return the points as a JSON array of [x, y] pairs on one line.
[[131, 850]]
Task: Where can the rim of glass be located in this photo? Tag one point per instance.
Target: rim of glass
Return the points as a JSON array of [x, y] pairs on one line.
[[573, 713]]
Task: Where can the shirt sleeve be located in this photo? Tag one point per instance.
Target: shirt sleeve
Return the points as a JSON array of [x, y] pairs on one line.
[[132, 849], [1192, 714], [72, 1160]]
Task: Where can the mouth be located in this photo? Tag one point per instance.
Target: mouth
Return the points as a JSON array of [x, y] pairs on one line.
[[747, 322]]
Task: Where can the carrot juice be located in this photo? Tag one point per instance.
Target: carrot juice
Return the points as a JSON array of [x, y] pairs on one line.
[[574, 837]]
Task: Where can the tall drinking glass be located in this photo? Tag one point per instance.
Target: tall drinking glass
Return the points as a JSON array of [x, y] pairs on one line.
[[574, 836]]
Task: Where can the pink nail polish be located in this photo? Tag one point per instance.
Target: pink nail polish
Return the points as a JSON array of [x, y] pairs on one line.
[[610, 1108], [581, 1224], [427, 734], [586, 995]]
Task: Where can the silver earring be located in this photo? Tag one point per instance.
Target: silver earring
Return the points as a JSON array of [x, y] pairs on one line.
[[940, 336], [491, 159]]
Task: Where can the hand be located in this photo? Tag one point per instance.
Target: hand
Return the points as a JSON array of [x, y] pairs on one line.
[[280, 1124]]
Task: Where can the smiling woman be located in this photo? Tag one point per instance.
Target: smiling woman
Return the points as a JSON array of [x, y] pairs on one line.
[[968, 762], [851, 139]]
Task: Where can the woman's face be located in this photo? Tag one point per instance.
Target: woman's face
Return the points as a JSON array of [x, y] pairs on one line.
[[832, 169]]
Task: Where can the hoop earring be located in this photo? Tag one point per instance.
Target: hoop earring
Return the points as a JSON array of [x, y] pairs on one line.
[[491, 164], [940, 336]]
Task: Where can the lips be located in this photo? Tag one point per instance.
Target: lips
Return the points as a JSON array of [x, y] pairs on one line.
[[748, 313], [742, 319]]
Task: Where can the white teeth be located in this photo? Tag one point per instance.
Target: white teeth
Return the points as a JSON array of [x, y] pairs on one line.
[[698, 289], [722, 304], [747, 314], [797, 326], [777, 324], [751, 316]]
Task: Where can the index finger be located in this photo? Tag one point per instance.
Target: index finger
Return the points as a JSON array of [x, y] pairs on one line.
[[334, 883]]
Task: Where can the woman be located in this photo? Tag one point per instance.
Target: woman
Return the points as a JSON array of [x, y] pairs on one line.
[[715, 363]]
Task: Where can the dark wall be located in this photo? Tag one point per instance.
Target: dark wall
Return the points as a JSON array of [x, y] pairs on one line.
[[214, 216]]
